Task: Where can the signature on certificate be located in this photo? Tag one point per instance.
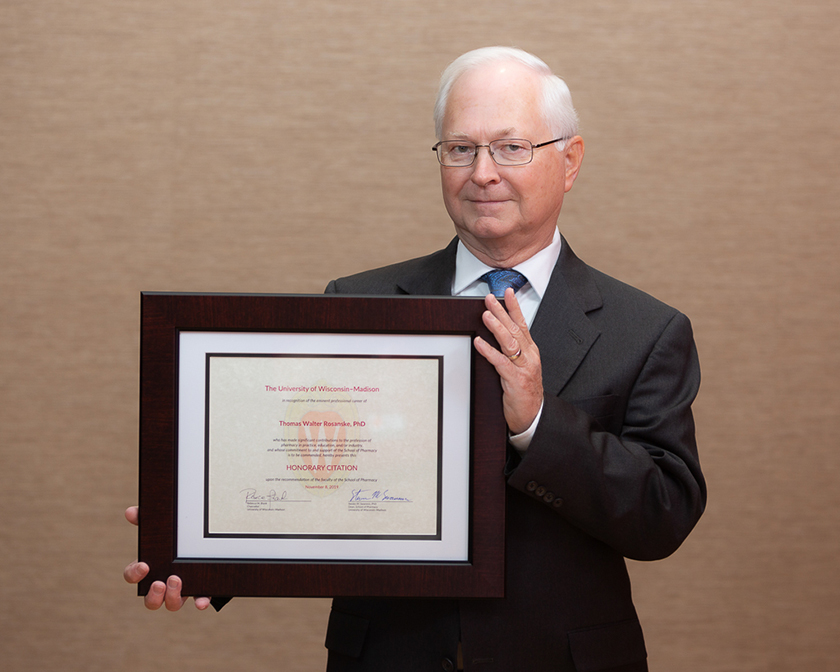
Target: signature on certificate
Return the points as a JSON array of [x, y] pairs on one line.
[[272, 496], [359, 495]]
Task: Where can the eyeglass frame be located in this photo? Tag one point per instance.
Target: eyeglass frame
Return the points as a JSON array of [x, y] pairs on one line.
[[492, 156]]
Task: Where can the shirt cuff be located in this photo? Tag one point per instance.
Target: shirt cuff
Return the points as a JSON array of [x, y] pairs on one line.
[[523, 440]]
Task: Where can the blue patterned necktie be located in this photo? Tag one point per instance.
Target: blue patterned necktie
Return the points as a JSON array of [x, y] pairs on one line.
[[502, 278]]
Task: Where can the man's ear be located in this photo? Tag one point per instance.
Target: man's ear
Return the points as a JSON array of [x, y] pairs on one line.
[[574, 158]]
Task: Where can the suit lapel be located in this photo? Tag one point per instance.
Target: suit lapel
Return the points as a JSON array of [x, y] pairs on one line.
[[561, 328], [433, 277]]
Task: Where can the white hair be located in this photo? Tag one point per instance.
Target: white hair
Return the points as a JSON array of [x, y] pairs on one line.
[[557, 109]]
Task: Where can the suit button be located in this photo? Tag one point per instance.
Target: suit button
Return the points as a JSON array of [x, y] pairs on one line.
[[557, 503], [532, 485], [548, 497], [540, 491], [447, 665]]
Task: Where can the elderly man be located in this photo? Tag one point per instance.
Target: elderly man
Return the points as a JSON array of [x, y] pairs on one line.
[[598, 380]]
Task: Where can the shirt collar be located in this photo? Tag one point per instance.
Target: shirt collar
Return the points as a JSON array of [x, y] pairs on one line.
[[538, 269]]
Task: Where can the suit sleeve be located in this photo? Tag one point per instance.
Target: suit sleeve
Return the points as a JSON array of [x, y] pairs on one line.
[[638, 486]]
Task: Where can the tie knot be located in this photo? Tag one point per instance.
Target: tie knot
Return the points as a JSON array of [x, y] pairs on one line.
[[502, 278]]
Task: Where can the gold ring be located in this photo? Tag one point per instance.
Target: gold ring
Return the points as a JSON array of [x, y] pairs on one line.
[[515, 356]]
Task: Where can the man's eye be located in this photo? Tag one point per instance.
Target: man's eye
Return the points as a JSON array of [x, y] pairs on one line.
[[513, 148], [461, 149]]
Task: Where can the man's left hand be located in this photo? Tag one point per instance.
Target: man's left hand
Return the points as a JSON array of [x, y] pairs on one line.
[[517, 361]]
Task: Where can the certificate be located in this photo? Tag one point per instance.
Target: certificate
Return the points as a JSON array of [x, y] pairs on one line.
[[339, 446], [341, 452]]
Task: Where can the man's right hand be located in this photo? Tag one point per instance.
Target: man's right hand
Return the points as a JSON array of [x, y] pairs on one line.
[[160, 594]]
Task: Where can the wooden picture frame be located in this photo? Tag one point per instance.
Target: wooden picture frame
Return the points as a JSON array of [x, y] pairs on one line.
[[184, 420]]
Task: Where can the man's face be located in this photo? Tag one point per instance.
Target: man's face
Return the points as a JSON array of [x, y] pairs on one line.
[[503, 214]]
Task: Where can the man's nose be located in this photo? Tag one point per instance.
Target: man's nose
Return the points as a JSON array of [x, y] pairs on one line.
[[485, 169]]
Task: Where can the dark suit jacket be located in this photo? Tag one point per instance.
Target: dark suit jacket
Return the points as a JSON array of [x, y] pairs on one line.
[[612, 472]]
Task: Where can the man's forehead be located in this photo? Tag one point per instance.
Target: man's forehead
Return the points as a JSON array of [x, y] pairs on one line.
[[495, 86], [508, 132]]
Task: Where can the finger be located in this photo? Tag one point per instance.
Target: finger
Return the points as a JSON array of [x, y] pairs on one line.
[[515, 311], [132, 515], [508, 345], [510, 314], [135, 572], [491, 354], [503, 330], [202, 603], [497, 310], [516, 374], [509, 318], [173, 600], [156, 595]]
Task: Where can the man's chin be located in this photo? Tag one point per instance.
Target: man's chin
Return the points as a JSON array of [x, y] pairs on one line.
[[485, 233], [489, 227]]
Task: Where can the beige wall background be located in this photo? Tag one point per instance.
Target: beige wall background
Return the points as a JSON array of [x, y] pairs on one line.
[[203, 145]]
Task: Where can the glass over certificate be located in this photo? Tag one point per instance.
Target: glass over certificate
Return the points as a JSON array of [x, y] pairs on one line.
[[298, 445], [347, 458]]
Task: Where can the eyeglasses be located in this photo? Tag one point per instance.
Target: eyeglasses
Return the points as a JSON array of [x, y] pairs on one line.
[[505, 152]]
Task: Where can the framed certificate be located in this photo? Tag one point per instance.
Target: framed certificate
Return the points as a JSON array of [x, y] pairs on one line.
[[320, 446]]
